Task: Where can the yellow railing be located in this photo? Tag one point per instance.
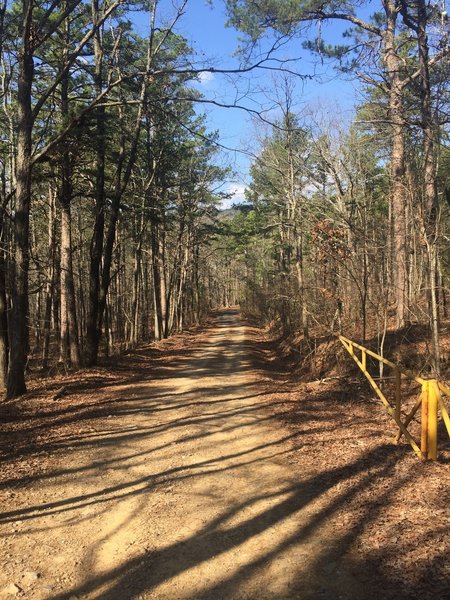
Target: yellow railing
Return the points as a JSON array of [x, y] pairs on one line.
[[430, 399]]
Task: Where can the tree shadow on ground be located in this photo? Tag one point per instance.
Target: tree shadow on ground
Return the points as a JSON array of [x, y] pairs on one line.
[[337, 568], [147, 571], [26, 422]]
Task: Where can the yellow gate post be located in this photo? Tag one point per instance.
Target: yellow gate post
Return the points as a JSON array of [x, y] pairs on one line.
[[398, 395], [424, 428], [433, 399], [430, 400]]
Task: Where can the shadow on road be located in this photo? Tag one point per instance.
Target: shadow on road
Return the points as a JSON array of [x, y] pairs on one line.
[[325, 569]]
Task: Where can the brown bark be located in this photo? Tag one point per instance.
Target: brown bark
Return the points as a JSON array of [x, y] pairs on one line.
[[19, 315], [69, 342], [96, 246], [159, 281], [4, 340], [429, 184], [136, 303], [50, 285], [70, 349], [398, 199]]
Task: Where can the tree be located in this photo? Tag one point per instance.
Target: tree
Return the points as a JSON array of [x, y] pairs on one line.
[[280, 176], [19, 316], [417, 16]]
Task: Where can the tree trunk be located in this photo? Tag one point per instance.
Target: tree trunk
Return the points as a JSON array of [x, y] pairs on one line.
[[70, 349], [19, 315], [4, 340], [69, 342], [50, 285], [418, 22], [137, 277], [159, 282], [430, 186], [96, 246], [398, 200]]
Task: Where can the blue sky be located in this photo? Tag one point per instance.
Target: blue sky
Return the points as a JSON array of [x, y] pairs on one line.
[[215, 44]]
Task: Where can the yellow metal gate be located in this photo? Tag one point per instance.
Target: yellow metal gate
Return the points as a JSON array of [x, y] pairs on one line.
[[430, 401]]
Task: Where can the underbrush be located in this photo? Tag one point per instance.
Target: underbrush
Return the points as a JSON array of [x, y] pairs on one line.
[[322, 355]]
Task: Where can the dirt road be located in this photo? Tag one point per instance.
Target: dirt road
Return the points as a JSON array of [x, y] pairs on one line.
[[185, 490]]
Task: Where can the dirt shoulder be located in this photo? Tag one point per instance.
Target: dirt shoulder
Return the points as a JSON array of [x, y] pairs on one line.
[[196, 469]]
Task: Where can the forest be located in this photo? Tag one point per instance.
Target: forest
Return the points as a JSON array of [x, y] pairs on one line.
[[112, 218], [224, 299]]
